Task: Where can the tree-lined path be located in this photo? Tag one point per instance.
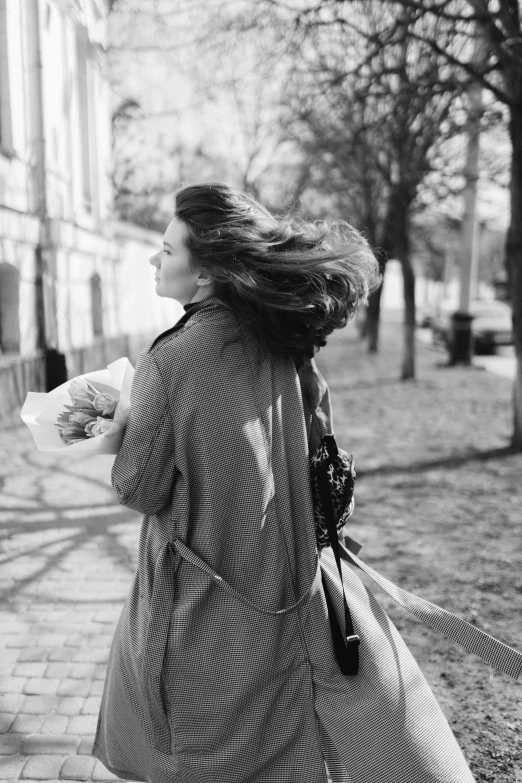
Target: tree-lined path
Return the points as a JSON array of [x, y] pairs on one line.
[[438, 509]]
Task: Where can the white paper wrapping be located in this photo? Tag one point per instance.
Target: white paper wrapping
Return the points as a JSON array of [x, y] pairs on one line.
[[40, 411]]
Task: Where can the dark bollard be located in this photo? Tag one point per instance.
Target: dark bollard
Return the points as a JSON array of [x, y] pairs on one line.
[[461, 342], [55, 369]]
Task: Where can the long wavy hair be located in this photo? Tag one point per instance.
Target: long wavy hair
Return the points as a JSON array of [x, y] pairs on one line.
[[290, 281]]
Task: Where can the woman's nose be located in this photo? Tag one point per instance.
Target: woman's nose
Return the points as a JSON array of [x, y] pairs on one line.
[[154, 259]]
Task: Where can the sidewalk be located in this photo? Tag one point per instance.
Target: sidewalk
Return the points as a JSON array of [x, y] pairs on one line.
[[438, 502], [67, 551]]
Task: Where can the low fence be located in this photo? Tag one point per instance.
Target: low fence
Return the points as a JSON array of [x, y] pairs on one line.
[[19, 375]]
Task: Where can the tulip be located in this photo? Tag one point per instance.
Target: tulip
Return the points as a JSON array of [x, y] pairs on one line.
[[101, 426], [98, 427], [81, 418], [80, 391], [104, 404], [72, 432]]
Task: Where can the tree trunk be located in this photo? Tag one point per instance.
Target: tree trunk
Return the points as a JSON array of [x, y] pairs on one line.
[[373, 313], [408, 359], [361, 320], [408, 277], [514, 258], [399, 248]]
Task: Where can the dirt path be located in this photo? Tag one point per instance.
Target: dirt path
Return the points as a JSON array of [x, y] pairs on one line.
[[439, 511]]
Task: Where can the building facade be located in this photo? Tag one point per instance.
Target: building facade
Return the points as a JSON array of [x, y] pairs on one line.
[[72, 281]]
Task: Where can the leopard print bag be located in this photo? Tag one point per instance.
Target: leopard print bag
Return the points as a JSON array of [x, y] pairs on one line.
[[338, 466]]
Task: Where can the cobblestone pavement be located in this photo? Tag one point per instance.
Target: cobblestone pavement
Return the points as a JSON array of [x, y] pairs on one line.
[[66, 562]]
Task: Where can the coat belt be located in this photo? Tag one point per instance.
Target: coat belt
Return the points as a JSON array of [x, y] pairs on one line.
[[504, 658]]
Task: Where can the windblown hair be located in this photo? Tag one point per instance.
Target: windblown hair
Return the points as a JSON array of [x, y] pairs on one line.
[[290, 281]]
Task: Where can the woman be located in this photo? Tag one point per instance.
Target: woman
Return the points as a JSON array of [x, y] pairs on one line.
[[222, 669]]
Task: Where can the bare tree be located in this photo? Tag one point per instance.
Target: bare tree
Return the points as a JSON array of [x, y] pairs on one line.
[[377, 118], [499, 23], [215, 94]]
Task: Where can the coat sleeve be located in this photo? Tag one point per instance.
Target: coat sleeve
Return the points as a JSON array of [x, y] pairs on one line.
[[144, 470]]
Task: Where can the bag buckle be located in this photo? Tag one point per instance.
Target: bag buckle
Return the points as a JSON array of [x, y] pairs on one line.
[[354, 639]]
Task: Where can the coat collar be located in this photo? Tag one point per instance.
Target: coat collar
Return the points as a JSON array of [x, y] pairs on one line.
[[210, 304], [195, 307]]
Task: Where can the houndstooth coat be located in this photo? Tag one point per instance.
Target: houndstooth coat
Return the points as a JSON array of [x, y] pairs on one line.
[[222, 668]]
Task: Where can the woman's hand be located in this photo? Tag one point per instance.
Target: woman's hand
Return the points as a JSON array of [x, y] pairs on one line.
[[113, 438]]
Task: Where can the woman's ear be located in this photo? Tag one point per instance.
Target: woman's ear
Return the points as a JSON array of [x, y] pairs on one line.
[[204, 280]]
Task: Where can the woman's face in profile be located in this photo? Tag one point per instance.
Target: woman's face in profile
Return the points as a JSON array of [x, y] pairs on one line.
[[174, 276]]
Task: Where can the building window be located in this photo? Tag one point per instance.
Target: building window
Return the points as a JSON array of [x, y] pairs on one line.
[[96, 306], [6, 141], [9, 318]]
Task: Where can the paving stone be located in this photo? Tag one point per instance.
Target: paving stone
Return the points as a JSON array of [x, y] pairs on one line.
[[69, 705], [51, 640], [12, 626], [91, 705], [12, 702], [10, 744], [33, 654], [54, 724], [58, 670], [100, 672], [70, 630], [85, 746], [101, 773], [30, 669], [6, 719], [96, 688], [90, 655], [11, 766], [82, 671], [60, 654], [47, 744], [10, 654], [41, 686], [39, 705], [27, 724], [82, 724], [76, 639], [83, 617], [20, 640], [7, 668], [73, 688], [58, 780], [12, 684], [42, 768], [107, 617], [101, 638], [77, 768], [54, 617]]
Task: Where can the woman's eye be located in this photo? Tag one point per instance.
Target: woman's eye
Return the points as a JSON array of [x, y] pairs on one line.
[[167, 252]]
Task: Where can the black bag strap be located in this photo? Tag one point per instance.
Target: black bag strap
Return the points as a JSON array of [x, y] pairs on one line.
[[346, 641], [346, 644]]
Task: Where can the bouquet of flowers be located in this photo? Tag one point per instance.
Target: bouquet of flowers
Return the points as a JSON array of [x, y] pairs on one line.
[[85, 413]]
